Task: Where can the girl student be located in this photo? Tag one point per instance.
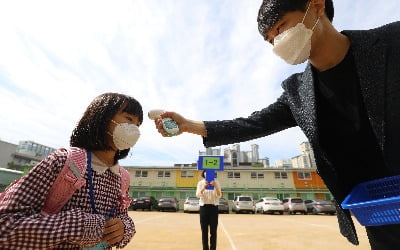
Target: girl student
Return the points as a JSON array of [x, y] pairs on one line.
[[209, 200], [94, 216]]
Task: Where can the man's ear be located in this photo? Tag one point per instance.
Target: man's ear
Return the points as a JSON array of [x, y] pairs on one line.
[[319, 7]]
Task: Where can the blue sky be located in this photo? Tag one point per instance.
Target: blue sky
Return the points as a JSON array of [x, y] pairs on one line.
[[203, 59]]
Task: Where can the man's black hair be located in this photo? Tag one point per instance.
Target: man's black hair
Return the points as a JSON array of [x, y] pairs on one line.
[[91, 131], [271, 11]]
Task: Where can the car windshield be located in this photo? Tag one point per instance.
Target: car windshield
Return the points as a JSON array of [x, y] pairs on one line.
[[297, 201], [166, 199], [193, 199], [323, 201], [244, 199], [271, 199]]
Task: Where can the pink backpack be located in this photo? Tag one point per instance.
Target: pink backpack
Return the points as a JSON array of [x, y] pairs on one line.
[[72, 178]]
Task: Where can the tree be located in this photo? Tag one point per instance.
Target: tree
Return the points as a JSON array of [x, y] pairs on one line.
[[24, 168], [257, 164]]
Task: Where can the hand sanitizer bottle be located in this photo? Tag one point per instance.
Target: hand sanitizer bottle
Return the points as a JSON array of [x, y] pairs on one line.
[[170, 127]]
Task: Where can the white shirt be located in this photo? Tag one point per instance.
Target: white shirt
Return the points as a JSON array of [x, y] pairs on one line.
[[100, 167], [208, 196]]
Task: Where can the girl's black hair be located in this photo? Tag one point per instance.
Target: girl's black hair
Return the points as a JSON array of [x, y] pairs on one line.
[[202, 174], [91, 131], [271, 11]]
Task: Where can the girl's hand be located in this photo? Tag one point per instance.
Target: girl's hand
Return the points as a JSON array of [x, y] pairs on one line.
[[114, 230], [213, 183], [203, 188]]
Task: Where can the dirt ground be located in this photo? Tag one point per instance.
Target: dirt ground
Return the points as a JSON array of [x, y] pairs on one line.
[[170, 230]]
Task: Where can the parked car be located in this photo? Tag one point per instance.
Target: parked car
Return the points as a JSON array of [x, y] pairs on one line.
[[320, 206], [269, 205], [191, 205], [294, 205], [168, 203], [223, 206], [243, 204], [144, 202], [133, 200]]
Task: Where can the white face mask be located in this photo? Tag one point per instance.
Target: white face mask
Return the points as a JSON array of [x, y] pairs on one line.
[[294, 44], [125, 135]]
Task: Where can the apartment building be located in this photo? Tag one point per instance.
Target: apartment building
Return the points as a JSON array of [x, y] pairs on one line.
[[7, 149], [26, 153], [15, 158]]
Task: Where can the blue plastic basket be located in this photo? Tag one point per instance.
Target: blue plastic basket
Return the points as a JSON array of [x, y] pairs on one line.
[[375, 202]]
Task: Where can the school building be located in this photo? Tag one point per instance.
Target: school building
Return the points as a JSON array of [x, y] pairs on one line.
[[245, 173], [180, 181]]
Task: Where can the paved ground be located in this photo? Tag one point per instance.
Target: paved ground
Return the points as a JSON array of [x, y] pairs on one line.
[[169, 230]]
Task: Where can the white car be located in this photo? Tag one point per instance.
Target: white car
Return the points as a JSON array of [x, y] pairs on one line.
[[191, 205], [269, 205]]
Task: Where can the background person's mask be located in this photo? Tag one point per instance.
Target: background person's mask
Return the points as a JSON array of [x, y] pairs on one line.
[[294, 45], [125, 135]]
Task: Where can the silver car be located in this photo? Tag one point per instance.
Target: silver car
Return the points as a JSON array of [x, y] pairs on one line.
[[294, 205], [320, 206], [168, 203], [223, 206], [243, 204]]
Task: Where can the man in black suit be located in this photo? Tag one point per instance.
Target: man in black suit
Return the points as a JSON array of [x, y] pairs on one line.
[[346, 102]]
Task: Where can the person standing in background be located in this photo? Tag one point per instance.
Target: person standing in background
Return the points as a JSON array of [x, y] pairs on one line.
[[209, 200]]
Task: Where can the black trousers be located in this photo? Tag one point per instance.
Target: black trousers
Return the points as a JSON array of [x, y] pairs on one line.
[[209, 218], [384, 237]]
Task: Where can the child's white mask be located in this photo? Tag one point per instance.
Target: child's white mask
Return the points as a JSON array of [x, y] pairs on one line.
[[294, 44], [125, 135]]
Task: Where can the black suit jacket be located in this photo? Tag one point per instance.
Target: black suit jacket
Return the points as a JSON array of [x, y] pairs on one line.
[[377, 57]]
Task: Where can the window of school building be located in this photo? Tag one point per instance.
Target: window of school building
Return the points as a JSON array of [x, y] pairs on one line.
[[187, 174], [281, 175], [141, 173], [255, 175], [164, 174], [304, 175], [233, 175]]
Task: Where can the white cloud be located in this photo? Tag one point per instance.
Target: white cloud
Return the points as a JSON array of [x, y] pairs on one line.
[[204, 59]]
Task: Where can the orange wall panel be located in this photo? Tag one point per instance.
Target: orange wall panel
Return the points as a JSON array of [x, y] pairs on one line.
[[315, 183]]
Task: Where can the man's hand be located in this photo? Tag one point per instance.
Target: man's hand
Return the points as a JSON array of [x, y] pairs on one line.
[[113, 231], [185, 125], [180, 121]]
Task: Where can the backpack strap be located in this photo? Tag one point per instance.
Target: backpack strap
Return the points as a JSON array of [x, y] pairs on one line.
[[70, 179], [125, 201]]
